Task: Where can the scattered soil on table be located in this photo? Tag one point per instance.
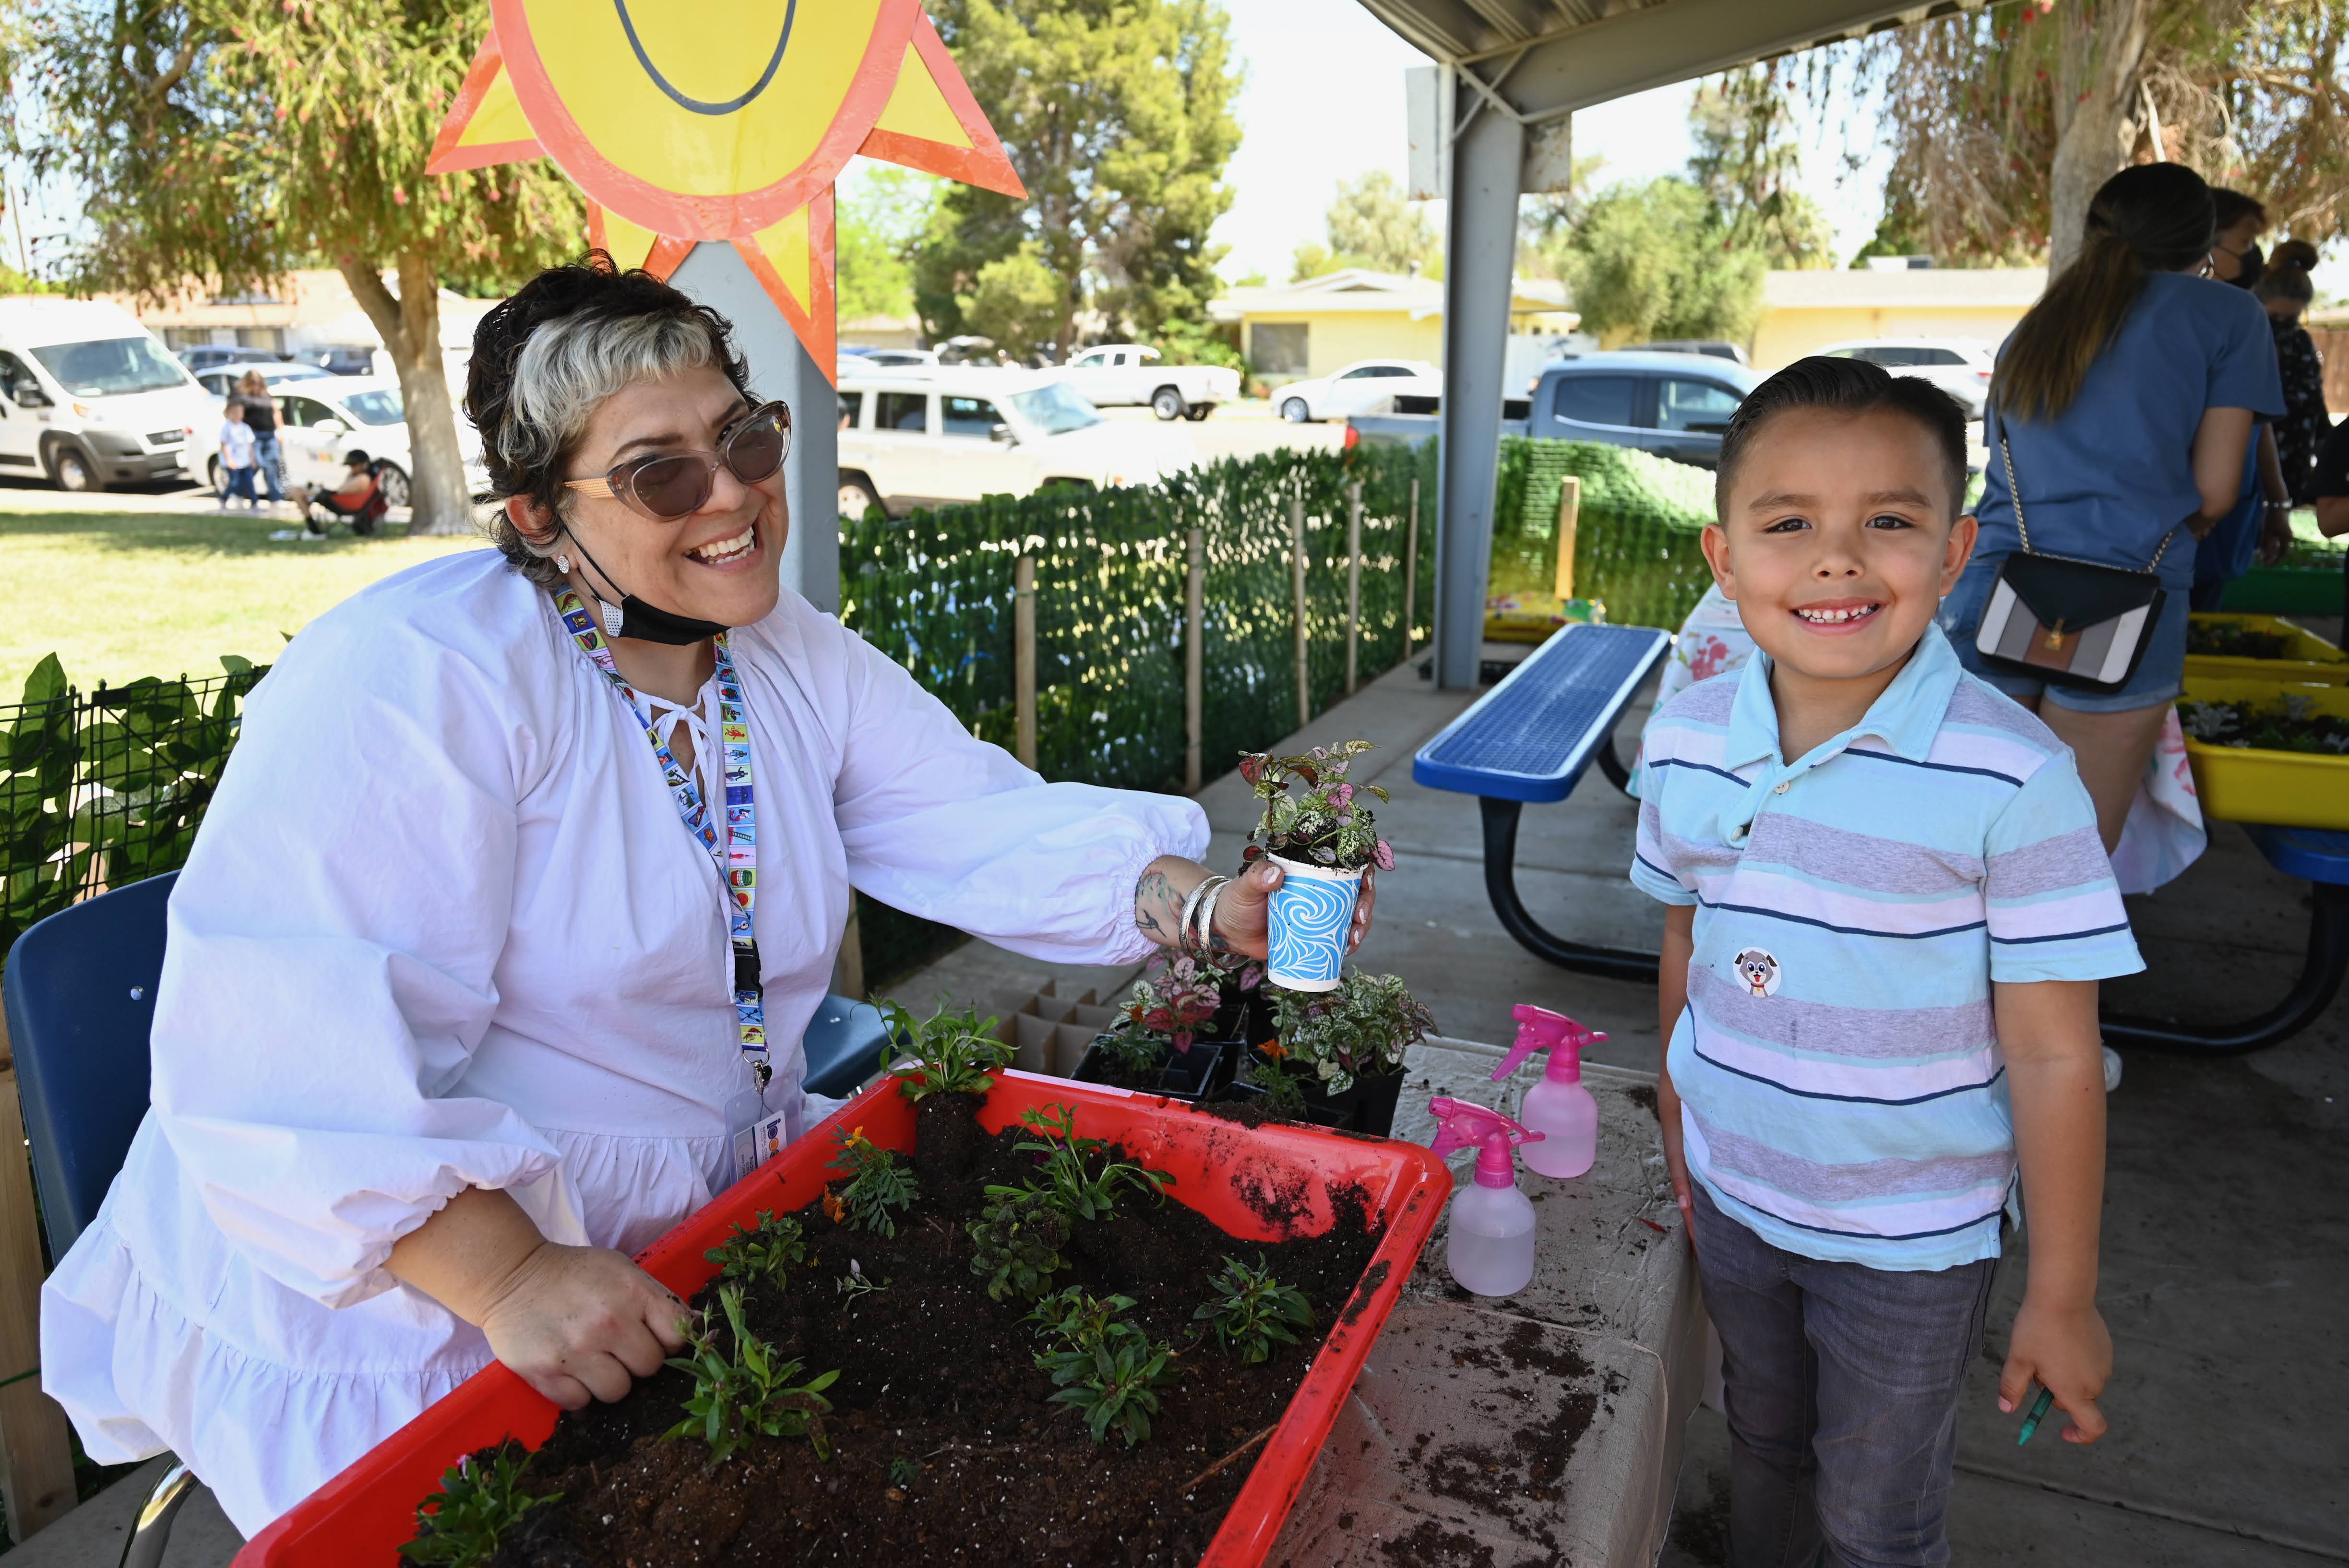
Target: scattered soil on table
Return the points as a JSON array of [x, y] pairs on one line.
[[1519, 1471], [934, 1373], [1430, 1545], [1644, 1097]]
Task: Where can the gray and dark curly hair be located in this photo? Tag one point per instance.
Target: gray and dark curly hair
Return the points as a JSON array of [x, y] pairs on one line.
[[544, 360]]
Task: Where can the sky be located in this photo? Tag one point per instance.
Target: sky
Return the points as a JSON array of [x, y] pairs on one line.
[[1324, 102]]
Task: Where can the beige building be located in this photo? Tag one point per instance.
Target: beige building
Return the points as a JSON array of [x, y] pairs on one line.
[[1290, 331], [309, 308], [1803, 312]]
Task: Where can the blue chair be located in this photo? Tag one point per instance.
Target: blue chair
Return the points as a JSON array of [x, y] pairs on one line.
[[80, 992], [843, 1043]]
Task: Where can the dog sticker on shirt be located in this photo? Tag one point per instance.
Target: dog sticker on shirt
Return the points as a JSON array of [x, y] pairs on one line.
[[1759, 972]]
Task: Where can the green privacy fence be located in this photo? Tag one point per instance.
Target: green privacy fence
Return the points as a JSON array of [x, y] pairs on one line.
[[103, 787], [935, 593], [1635, 547]]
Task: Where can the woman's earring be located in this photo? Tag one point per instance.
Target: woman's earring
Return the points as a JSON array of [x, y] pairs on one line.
[[563, 563]]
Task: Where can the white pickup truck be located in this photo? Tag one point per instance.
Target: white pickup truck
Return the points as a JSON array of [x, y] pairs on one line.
[[939, 436], [1127, 374]]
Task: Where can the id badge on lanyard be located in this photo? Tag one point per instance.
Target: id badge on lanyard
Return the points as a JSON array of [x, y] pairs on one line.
[[755, 1132]]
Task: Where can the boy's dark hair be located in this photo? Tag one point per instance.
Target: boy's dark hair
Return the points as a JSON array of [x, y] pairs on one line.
[[355, 459], [1845, 387]]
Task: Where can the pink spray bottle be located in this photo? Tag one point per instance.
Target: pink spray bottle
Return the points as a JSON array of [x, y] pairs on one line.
[[1490, 1244], [1558, 1106]]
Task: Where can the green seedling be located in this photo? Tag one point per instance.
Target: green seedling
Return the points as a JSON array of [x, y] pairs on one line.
[[856, 1282], [1107, 1370], [1073, 1188], [1283, 1084], [1016, 1242], [763, 1253], [1251, 1311], [903, 1472], [878, 1181], [748, 1395], [459, 1524], [953, 1052]]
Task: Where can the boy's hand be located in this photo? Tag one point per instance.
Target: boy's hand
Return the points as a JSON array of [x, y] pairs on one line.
[[1668, 1105], [2066, 1350]]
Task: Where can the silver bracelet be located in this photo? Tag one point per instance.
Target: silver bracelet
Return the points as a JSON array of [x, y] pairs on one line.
[[1198, 923], [1183, 920]]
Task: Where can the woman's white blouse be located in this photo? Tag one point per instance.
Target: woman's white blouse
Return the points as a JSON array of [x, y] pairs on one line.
[[443, 929]]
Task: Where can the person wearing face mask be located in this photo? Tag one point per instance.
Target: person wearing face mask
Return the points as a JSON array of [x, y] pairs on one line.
[[426, 1074], [2259, 526], [2285, 290]]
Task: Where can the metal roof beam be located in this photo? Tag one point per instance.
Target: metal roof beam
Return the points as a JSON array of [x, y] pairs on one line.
[[1635, 50]]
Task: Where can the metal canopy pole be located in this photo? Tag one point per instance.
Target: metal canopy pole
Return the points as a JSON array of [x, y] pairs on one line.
[[1480, 255], [716, 275]]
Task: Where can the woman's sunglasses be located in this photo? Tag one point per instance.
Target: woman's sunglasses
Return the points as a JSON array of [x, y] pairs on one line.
[[668, 486]]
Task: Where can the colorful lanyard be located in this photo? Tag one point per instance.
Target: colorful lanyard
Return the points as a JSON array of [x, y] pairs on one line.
[[737, 858]]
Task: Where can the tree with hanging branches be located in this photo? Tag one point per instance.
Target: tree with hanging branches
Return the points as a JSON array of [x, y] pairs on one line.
[[2003, 121], [221, 143]]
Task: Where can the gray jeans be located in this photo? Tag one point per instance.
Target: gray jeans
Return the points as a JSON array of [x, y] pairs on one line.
[[1842, 1386]]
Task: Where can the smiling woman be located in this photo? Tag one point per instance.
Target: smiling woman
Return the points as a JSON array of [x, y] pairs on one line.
[[428, 1068]]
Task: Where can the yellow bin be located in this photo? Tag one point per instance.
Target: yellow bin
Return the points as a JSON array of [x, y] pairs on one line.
[[2310, 659], [2282, 788]]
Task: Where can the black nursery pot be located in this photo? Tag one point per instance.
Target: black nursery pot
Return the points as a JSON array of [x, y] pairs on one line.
[[1199, 1073], [1246, 1016], [1367, 1107]]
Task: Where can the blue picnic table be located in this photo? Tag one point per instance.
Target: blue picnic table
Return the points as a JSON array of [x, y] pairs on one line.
[[1532, 737]]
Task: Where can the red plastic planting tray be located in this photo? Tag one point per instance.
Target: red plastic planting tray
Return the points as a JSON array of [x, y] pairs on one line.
[[360, 1518]]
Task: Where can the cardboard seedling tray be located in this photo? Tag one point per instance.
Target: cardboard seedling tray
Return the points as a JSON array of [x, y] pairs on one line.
[[360, 1518]]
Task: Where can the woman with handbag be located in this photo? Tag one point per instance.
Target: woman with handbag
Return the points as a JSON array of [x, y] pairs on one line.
[[2119, 418]]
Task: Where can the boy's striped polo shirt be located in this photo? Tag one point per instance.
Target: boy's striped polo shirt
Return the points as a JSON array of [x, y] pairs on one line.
[[1841, 1086]]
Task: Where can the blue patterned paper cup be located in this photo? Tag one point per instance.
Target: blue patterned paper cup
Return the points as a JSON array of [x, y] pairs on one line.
[[1311, 914]]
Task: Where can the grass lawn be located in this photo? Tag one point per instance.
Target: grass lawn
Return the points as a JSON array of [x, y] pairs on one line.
[[121, 594]]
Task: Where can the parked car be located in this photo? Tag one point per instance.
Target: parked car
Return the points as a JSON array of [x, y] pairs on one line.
[[1962, 366], [1714, 346], [223, 379], [202, 356], [927, 437], [1362, 387], [320, 418], [1128, 375], [1673, 404], [347, 361], [91, 398]]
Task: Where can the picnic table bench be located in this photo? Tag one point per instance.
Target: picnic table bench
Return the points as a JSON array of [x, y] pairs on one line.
[[1532, 736]]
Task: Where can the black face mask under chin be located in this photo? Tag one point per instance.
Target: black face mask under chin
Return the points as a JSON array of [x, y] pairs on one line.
[[633, 618]]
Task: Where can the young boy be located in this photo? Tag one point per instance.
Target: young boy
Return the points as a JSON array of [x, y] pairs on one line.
[[1889, 910], [236, 456]]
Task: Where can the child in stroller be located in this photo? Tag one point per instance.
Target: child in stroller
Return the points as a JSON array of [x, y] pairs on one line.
[[359, 498]]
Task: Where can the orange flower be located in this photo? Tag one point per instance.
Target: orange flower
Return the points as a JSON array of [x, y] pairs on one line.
[[833, 1208], [1274, 1049]]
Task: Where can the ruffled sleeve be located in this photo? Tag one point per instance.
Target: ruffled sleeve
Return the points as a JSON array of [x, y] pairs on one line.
[[332, 945], [943, 825]]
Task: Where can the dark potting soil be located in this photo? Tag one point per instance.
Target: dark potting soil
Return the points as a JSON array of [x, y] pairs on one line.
[[934, 1374]]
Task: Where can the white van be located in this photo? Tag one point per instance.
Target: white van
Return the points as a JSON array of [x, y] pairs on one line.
[[90, 398]]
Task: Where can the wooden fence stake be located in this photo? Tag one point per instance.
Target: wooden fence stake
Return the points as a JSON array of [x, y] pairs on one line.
[[1023, 657], [1297, 603], [848, 968], [36, 1456], [1354, 584], [1195, 660], [1570, 503], [1410, 568]]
